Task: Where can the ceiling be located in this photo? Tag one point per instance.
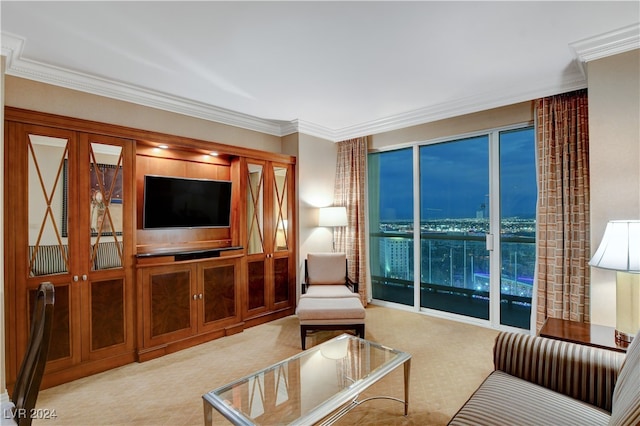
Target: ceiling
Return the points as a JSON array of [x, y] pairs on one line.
[[330, 69]]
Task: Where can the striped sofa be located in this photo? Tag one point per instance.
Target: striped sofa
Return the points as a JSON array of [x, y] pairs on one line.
[[539, 381]]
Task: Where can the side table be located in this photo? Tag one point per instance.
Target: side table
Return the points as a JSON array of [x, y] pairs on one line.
[[599, 336]]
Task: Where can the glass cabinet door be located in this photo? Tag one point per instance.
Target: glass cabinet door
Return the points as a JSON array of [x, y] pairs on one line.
[[256, 261], [280, 205], [50, 248], [255, 208], [48, 205], [105, 201], [280, 190], [102, 201]]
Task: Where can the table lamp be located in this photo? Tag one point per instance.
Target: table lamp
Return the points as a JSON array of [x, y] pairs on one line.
[[332, 217], [619, 250]]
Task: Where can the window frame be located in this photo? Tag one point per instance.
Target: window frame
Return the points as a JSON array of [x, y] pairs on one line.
[[493, 135]]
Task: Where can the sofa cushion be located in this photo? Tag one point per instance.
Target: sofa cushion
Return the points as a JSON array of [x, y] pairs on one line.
[[329, 291], [507, 400], [344, 310], [326, 268], [626, 394]]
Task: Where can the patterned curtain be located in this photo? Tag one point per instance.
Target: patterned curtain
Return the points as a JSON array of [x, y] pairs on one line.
[[350, 192], [563, 207]]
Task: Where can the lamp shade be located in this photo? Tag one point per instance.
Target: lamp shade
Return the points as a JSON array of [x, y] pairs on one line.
[[332, 216], [620, 247]]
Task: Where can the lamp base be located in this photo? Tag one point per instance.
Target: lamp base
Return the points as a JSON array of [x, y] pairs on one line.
[[622, 337], [627, 306]]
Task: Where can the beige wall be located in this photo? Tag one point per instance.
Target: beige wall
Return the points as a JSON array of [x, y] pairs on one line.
[[316, 180], [27, 94], [614, 158]]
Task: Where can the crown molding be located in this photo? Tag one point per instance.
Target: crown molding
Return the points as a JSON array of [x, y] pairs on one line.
[[476, 103], [607, 44], [567, 83], [19, 66]]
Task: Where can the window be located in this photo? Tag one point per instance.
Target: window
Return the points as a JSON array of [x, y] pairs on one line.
[[391, 225], [475, 226], [454, 222]]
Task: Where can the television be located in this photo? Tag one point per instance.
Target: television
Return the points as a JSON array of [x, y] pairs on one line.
[[175, 202]]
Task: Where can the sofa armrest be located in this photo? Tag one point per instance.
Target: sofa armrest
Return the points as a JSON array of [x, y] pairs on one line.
[[582, 372]]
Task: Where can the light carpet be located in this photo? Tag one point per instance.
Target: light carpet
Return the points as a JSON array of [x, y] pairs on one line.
[[449, 361]]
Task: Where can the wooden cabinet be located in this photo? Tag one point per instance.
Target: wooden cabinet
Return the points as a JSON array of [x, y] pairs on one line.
[[73, 217], [268, 235], [187, 302], [70, 212]]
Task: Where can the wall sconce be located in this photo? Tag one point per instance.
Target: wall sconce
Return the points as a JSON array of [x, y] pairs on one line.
[[619, 250], [332, 217]]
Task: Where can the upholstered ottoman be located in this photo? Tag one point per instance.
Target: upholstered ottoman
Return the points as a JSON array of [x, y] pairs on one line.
[[324, 313]]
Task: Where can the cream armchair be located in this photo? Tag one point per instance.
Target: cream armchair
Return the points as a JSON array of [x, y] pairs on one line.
[[326, 275], [329, 300]]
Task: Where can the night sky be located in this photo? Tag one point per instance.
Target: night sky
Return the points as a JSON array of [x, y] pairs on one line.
[[455, 178]]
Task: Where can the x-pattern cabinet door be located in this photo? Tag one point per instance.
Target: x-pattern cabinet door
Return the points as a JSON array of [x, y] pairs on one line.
[[72, 214], [269, 200]]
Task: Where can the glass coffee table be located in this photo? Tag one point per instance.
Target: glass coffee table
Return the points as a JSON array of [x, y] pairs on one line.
[[320, 384]]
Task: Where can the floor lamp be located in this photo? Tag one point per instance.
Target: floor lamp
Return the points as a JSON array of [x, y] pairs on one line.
[[332, 217], [620, 251]]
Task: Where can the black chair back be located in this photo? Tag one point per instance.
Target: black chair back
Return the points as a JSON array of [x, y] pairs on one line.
[[25, 391]]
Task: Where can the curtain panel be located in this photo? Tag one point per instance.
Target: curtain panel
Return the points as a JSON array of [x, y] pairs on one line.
[[350, 192], [563, 273]]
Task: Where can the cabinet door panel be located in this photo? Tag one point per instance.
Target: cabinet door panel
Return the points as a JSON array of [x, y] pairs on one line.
[[60, 346], [107, 313], [170, 299], [256, 277], [219, 300], [281, 279]]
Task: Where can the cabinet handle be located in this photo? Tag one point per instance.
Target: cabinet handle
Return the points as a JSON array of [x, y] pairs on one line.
[[75, 278], [195, 296], [84, 277], [200, 296]]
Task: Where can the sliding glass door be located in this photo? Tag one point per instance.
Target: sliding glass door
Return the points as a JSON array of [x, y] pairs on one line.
[[454, 222], [452, 226], [391, 225]]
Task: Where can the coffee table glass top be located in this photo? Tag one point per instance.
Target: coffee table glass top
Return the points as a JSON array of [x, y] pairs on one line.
[[308, 386]]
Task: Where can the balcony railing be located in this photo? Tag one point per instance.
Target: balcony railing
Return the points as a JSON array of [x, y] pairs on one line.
[[454, 273]]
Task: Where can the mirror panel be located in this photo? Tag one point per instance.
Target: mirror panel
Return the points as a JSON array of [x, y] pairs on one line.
[[280, 182], [255, 213], [105, 201], [47, 189]]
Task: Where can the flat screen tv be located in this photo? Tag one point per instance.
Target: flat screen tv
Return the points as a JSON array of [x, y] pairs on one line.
[[175, 202]]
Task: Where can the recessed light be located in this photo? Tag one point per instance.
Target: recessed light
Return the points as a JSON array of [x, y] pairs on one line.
[[163, 146], [213, 154]]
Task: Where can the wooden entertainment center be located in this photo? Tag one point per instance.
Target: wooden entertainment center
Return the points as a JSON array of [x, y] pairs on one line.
[[73, 216]]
